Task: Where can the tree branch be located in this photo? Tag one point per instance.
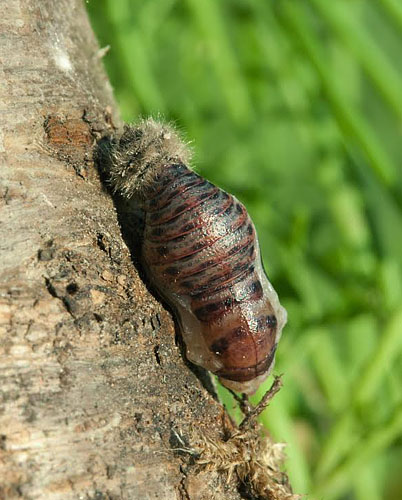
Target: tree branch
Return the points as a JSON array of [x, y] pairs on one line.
[[94, 390]]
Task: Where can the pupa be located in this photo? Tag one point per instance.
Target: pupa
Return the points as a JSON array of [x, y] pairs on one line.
[[200, 251]]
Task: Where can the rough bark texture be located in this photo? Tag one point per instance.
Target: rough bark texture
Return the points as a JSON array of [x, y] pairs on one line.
[[94, 393]]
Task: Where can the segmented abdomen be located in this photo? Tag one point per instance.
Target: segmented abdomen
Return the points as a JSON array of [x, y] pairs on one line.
[[201, 251]]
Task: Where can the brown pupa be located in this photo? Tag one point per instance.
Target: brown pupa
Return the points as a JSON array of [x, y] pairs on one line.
[[200, 251]]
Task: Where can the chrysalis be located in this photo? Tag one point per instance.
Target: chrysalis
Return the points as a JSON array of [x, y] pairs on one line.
[[200, 251]]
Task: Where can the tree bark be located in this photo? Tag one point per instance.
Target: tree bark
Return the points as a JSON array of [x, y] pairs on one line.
[[95, 397]]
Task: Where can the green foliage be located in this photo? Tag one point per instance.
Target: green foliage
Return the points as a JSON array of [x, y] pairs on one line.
[[295, 106]]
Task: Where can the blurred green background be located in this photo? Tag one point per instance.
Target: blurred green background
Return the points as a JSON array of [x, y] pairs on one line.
[[295, 106]]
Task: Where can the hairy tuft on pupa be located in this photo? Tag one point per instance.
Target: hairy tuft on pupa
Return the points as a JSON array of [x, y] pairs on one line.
[[135, 160]]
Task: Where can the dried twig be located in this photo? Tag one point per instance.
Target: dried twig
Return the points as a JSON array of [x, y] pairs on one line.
[[252, 415]]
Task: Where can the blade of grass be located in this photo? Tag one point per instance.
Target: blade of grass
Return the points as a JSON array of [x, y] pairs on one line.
[[329, 370], [366, 485], [375, 63], [388, 350], [153, 14], [346, 204], [390, 282], [367, 385], [135, 56], [360, 342], [350, 121], [296, 364], [339, 481], [274, 45], [211, 22], [394, 10], [383, 207], [338, 444]]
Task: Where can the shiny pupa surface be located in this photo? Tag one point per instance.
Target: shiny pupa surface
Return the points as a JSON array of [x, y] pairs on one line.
[[201, 253]]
